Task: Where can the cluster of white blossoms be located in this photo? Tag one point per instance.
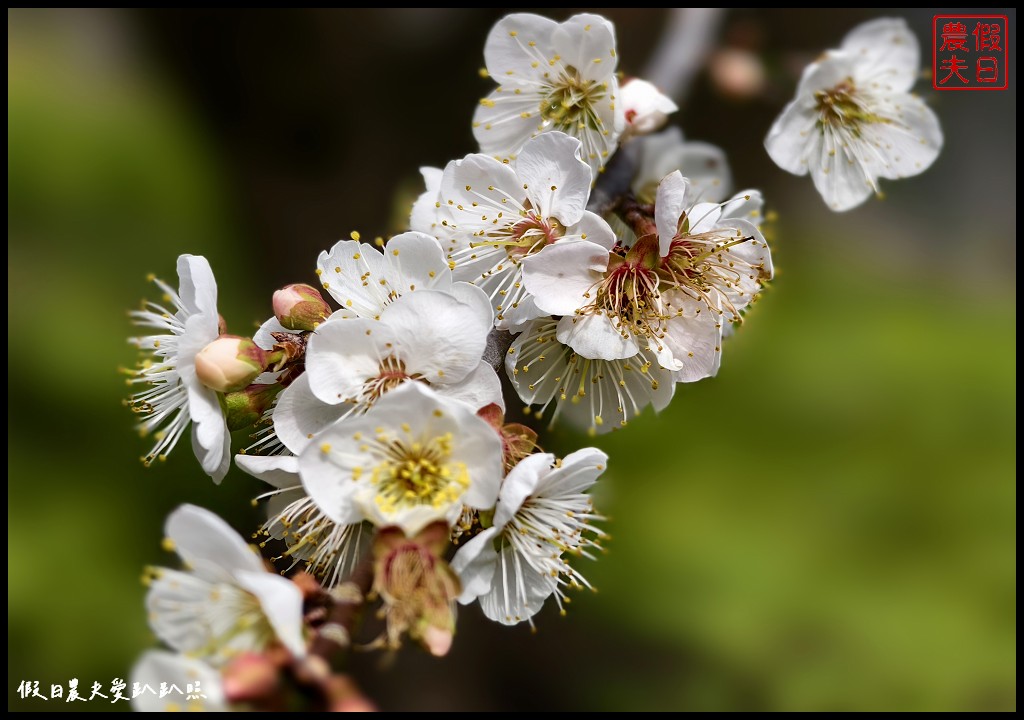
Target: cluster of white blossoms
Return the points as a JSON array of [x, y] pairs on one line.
[[375, 399]]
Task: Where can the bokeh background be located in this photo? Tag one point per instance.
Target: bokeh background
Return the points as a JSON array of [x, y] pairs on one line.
[[830, 524]]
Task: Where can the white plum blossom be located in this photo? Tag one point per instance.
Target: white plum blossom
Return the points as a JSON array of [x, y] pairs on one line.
[[552, 76], [199, 685], [226, 602], [323, 547], [599, 395], [542, 514], [412, 458], [697, 266], [174, 397], [497, 218], [854, 120], [646, 108]]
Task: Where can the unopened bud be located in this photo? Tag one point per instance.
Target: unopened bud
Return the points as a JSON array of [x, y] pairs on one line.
[[437, 641], [244, 408], [249, 676], [646, 108], [300, 307], [230, 363]]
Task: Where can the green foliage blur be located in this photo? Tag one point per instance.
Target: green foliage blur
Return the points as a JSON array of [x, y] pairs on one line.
[[830, 524]]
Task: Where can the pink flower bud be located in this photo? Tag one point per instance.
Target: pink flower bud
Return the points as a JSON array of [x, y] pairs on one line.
[[230, 363], [249, 676], [300, 307]]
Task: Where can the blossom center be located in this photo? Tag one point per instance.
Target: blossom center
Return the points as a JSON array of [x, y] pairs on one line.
[[570, 101], [391, 373], [842, 107], [696, 264], [630, 293], [421, 472]]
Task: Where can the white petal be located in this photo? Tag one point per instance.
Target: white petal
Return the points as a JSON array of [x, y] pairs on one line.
[[475, 563], [156, 667], [596, 336], [503, 122], [561, 275], [263, 336], [520, 483], [350, 272], [517, 590], [591, 228], [435, 335], [281, 471], [695, 339], [474, 297], [472, 191], [326, 469], [577, 473], [478, 389], [886, 52], [508, 48], [415, 261], [208, 544], [197, 287], [281, 601], [839, 169], [557, 181], [706, 168], [746, 205], [673, 199], [299, 414], [423, 217], [703, 217], [178, 603], [910, 142], [587, 42], [342, 355], [792, 136]]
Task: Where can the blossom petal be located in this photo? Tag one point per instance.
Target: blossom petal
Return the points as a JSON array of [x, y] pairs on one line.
[[415, 261], [350, 272], [435, 335], [514, 43], [474, 190], [887, 54], [912, 140], [517, 590], [577, 473], [504, 121], [157, 667], [673, 198], [475, 563], [587, 43], [596, 336], [208, 544], [423, 217], [593, 228], [280, 471], [478, 389], [556, 179], [695, 338], [300, 415], [791, 136], [342, 355], [520, 483], [281, 601], [197, 287], [561, 276], [264, 336]]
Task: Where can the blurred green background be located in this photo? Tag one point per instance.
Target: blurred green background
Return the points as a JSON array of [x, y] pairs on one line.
[[830, 524]]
